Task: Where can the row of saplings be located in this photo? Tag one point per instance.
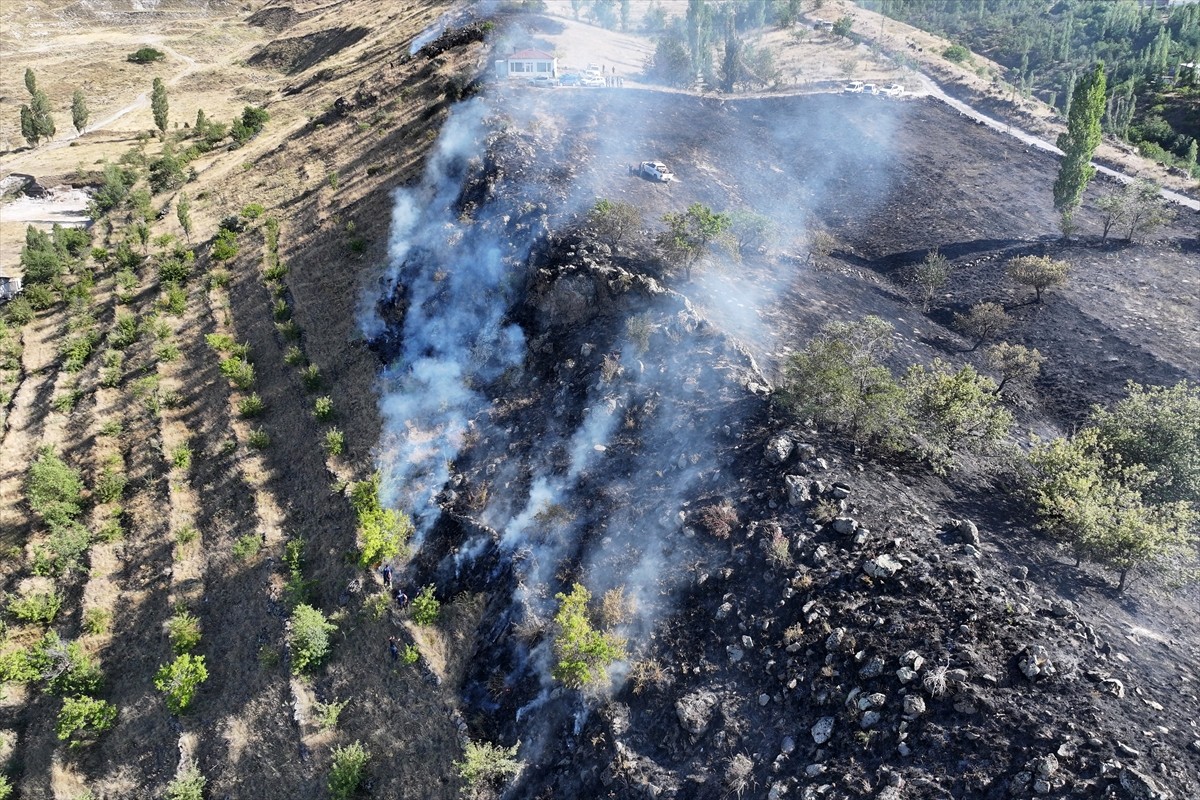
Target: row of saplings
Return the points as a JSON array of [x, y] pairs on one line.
[[1123, 490]]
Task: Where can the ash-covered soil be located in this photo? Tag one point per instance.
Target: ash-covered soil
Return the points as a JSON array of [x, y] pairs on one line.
[[895, 652]]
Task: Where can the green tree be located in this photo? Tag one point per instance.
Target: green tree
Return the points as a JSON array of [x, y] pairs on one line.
[[1144, 209], [615, 222], [308, 638], [36, 122], [1095, 504], [1158, 428], [146, 55], [671, 63], [487, 766], [1039, 272], [183, 209], [82, 719], [79, 111], [382, 532], [843, 26], [158, 104], [982, 322], [690, 235], [698, 21], [188, 783], [929, 277], [425, 607], [348, 770], [53, 489], [1078, 143], [839, 380], [1015, 363], [954, 410], [180, 679], [751, 231], [30, 80], [582, 654]]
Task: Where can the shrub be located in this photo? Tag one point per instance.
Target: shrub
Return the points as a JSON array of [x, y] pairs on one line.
[[251, 406], [281, 311], [40, 297], [96, 621], [311, 377], [64, 666], [174, 299], [308, 638], [982, 322], [323, 408], [953, 410], [297, 590], [288, 329], [327, 714], [125, 331], [84, 718], [349, 764], [928, 277], [238, 371], [145, 55], [253, 211], [582, 654], [956, 53], [615, 222], [425, 607], [53, 489], [111, 483], [381, 531], [188, 784], [335, 442], [247, 546], [167, 352], [259, 439], [410, 655], [19, 311], [180, 679], [181, 457], [6, 788], [64, 549], [186, 535], [294, 357], [183, 629], [488, 766], [37, 607], [1039, 272]]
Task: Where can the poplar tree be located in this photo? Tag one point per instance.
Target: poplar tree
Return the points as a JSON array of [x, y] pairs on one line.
[[158, 104], [1078, 144], [36, 122], [183, 211], [79, 111]]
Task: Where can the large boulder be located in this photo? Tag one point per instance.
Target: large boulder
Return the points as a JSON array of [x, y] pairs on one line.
[[779, 449], [963, 530], [695, 711], [799, 489]]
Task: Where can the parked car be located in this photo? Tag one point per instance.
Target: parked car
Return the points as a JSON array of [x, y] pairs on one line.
[[870, 88], [893, 90], [543, 81], [570, 79], [655, 171], [853, 87], [591, 80]]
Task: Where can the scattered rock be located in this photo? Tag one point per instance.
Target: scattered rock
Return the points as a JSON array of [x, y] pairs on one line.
[[914, 705], [1020, 573], [788, 746], [695, 711], [845, 525], [840, 491], [822, 730], [735, 653], [778, 449], [1140, 786], [883, 566], [872, 669], [906, 675], [1046, 766], [1113, 686], [798, 489], [1036, 663], [965, 531], [869, 720]]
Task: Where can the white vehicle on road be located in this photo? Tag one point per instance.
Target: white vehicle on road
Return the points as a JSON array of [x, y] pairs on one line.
[[655, 171], [893, 90], [853, 87], [870, 88]]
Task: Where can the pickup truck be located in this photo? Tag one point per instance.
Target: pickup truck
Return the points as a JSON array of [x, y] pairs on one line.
[[655, 171]]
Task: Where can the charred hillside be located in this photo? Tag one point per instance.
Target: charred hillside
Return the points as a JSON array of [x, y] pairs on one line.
[[804, 619]]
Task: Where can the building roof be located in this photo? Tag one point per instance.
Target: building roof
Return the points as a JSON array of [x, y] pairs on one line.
[[535, 54]]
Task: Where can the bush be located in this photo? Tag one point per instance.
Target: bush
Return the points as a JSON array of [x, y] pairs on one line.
[[954, 410], [36, 607], [381, 531], [64, 549], [488, 766], [346, 774], [956, 53], [615, 222], [218, 278], [335, 442], [238, 371], [928, 277], [53, 489], [1015, 363], [294, 357], [64, 666], [253, 211], [84, 718], [310, 376], [181, 457], [96, 621], [425, 607], [251, 406], [125, 331], [327, 713], [308, 638], [180, 679], [225, 246], [183, 629], [1039, 272], [984, 321], [145, 55], [259, 439], [188, 784], [111, 483], [323, 408], [247, 546], [174, 299], [582, 653]]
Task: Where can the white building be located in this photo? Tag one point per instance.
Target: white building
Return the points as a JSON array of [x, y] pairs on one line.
[[528, 64]]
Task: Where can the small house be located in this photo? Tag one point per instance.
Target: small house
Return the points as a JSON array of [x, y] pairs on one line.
[[528, 64]]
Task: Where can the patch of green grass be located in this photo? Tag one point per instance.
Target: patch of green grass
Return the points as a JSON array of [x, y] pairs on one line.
[[246, 547]]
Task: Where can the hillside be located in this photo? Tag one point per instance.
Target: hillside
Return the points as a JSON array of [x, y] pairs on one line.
[[418, 292]]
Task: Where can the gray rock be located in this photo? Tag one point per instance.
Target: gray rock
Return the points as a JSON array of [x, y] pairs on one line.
[[763, 699], [840, 491], [1113, 686], [1020, 573], [778, 449], [798, 489], [777, 791], [914, 705], [695, 711], [735, 654], [906, 675], [883, 566], [1036, 663], [788, 746], [1041, 786], [724, 610], [869, 720], [822, 730], [1141, 786], [872, 669], [965, 530], [845, 525], [1046, 766]]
